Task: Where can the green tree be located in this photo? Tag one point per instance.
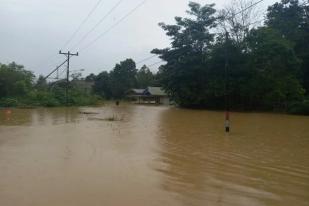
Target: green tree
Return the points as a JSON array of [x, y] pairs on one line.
[[291, 19], [90, 78], [183, 77], [275, 67], [14, 80], [102, 85], [115, 84], [122, 78], [144, 77], [41, 83], [231, 79]]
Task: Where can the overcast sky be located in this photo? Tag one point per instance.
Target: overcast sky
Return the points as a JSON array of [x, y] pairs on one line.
[[33, 31]]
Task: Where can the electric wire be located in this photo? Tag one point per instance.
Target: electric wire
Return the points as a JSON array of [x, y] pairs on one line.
[[74, 33], [249, 7], [156, 63], [82, 23], [239, 12], [126, 16], [99, 22], [146, 59], [114, 25]]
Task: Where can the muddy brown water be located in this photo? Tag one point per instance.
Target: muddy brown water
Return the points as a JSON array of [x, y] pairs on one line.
[[152, 156]]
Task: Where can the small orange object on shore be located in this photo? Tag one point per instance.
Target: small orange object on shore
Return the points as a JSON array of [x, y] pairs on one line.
[[8, 111]]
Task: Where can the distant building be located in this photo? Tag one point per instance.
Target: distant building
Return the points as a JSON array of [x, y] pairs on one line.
[[135, 92], [150, 95]]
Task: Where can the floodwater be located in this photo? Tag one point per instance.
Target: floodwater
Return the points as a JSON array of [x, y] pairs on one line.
[[152, 156]]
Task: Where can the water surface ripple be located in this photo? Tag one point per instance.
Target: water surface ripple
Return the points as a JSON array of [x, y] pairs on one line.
[[152, 156]]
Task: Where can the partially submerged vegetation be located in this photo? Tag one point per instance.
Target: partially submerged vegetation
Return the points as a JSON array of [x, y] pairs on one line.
[[18, 88], [245, 67]]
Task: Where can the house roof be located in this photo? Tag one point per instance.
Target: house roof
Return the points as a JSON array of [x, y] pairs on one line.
[[136, 91], [155, 91]]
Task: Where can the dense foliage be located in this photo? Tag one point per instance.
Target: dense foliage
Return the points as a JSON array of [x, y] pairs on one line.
[[124, 76], [19, 88], [265, 69]]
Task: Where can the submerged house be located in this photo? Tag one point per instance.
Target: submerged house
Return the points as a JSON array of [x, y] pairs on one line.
[[150, 95]]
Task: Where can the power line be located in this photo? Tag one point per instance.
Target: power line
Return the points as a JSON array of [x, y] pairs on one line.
[[114, 25], [64, 70], [99, 22], [82, 23], [249, 7], [156, 63], [55, 69], [122, 19], [47, 60], [239, 12], [75, 32], [146, 59]]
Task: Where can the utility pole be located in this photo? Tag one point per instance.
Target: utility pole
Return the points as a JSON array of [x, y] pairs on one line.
[[226, 86], [68, 55]]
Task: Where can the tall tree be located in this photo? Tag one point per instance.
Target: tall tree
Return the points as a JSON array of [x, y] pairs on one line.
[[123, 78], [90, 78], [238, 18], [291, 19], [144, 77], [184, 73], [275, 68], [41, 83], [102, 85], [14, 80]]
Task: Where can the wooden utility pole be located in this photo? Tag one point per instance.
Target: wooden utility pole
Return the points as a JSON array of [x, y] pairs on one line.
[[226, 87], [68, 55]]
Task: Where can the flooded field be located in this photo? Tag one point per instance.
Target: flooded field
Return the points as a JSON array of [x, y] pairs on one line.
[[139, 155]]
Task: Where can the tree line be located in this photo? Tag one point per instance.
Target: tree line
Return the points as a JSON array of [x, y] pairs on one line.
[[217, 58], [124, 76], [247, 67], [20, 88]]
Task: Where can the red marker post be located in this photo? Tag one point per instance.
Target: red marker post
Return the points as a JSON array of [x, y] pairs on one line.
[[227, 121], [7, 113]]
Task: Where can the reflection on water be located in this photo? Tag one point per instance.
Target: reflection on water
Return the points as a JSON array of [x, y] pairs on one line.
[[154, 156], [41, 116], [264, 161]]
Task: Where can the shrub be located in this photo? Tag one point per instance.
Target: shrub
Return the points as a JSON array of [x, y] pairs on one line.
[[9, 102], [299, 108]]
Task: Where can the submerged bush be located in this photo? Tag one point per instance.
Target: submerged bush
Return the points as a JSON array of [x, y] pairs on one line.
[[9, 102], [51, 99], [43, 98]]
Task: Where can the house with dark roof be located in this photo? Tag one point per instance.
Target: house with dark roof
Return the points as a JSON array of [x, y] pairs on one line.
[[135, 92], [150, 95]]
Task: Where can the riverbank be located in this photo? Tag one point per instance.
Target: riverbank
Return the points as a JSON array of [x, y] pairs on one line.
[[294, 109]]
